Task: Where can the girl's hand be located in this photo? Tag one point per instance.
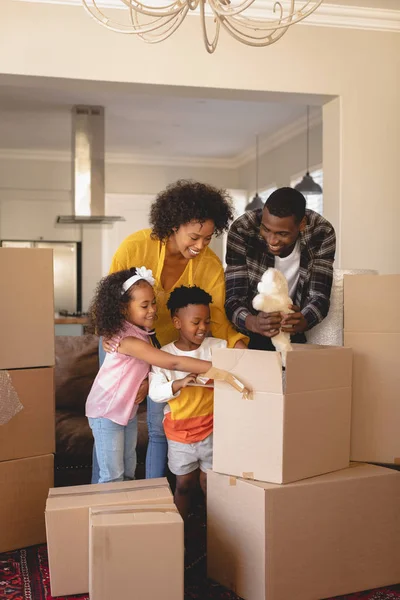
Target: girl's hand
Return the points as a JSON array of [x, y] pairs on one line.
[[142, 391], [111, 345], [179, 384]]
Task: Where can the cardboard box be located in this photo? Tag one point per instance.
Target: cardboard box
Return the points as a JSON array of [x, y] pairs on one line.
[[321, 537], [136, 551], [284, 432], [372, 329], [24, 485], [26, 308], [67, 525], [31, 432]]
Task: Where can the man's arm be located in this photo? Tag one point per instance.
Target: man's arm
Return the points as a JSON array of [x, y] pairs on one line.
[[238, 305], [236, 279], [316, 305]]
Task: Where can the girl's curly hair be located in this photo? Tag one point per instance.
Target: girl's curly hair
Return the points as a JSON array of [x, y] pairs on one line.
[[186, 201], [107, 310]]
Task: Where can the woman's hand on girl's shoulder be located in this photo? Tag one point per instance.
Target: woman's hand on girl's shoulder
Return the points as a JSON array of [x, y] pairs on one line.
[[111, 345]]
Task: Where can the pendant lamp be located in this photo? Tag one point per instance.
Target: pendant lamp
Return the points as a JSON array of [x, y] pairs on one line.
[[307, 185], [257, 201]]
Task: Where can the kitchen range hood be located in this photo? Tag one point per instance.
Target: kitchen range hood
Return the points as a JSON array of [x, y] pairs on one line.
[[88, 150]]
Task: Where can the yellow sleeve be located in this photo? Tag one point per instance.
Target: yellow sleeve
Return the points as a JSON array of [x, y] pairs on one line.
[[131, 252], [221, 327]]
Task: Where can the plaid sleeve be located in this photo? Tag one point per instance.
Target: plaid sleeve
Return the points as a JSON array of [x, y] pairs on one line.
[[236, 278], [316, 305]]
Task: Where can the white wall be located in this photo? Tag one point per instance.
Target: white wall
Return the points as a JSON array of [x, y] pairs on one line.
[[278, 166], [355, 72], [34, 192]]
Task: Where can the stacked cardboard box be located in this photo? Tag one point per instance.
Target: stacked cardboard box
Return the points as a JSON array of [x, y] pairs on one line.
[[27, 436], [372, 329], [332, 528], [104, 537]]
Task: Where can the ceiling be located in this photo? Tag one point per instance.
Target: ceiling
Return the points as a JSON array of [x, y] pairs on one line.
[[149, 121], [35, 114]]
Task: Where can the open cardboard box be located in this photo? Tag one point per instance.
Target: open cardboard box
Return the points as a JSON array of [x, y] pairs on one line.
[[288, 428]]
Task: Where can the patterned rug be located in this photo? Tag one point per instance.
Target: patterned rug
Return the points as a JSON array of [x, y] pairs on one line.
[[24, 574]]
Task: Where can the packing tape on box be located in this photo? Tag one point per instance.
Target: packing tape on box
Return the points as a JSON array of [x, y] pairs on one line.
[[232, 480], [330, 331], [57, 493], [222, 375], [10, 404], [123, 510], [248, 475]]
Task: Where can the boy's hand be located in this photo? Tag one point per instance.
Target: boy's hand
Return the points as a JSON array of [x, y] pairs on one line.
[[179, 384]]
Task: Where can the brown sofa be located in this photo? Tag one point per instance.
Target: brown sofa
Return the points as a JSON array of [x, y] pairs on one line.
[[76, 367]]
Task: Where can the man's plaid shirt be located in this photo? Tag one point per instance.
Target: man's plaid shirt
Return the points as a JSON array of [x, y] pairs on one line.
[[247, 258]]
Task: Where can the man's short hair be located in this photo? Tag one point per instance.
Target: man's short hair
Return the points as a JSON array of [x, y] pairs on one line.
[[287, 202]]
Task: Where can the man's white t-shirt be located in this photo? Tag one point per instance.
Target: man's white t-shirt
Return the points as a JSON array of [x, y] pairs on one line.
[[290, 267]]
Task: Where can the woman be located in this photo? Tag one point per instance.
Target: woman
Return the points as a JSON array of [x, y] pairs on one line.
[[184, 219]]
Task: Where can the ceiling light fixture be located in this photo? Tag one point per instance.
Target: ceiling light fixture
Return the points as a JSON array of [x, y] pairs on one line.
[[307, 185], [257, 201], [155, 23]]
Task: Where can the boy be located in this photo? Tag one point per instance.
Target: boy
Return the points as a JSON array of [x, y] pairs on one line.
[[188, 416]]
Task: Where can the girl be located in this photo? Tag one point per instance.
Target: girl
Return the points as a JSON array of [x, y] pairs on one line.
[[125, 306]]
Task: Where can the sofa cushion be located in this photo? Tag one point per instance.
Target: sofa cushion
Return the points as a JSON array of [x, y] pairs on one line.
[[77, 364]]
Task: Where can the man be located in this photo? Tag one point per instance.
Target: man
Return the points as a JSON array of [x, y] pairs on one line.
[[295, 240]]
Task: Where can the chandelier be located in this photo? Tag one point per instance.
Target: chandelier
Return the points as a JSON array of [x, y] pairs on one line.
[[155, 23]]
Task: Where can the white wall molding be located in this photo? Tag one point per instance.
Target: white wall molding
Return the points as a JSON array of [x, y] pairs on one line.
[[266, 145], [327, 15], [120, 159], [277, 139]]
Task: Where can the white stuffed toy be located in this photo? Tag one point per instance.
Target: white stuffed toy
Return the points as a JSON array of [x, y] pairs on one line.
[[273, 296]]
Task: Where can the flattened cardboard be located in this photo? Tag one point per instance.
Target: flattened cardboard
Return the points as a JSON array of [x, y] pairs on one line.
[[280, 437], [27, 308], [326, 536], [67, 525], [370, 303], [126, 542], [375, 422], [24, 485], [31, 432]]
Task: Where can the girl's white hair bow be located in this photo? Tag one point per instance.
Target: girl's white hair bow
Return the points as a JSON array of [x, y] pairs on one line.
[[141, 273]]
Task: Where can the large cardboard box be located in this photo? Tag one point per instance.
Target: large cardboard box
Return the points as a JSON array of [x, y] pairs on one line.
[[372, 329], [67, 525], [286, 430], [136, 551], [26, 308], [31, 432], [24, 485], [321, 537]]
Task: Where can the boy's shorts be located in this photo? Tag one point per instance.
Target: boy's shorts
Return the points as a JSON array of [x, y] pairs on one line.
[[186, 458]]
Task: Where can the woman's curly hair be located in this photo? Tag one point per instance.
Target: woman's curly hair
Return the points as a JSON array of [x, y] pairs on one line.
[[186, 201], [107, 310]]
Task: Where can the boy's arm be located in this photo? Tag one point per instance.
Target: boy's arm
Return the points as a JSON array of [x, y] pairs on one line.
[[160, 389], [163, 390]]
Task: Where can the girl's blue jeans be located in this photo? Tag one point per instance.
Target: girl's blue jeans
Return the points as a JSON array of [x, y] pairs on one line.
[[157, 450], [115, 449]]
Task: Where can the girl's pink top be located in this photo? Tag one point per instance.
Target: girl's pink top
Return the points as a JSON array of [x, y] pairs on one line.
[[114, 390]]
